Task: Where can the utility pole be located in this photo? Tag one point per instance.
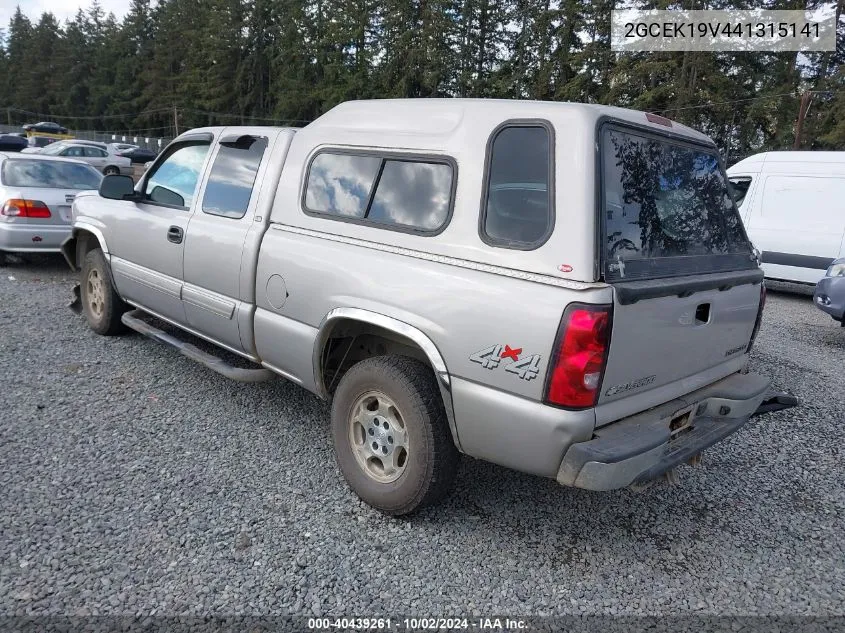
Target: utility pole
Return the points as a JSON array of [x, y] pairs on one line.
[[806, 98], [175, 121]]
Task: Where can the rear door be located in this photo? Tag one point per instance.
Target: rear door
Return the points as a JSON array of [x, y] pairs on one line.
[[223, 230], [686, 283], [95, 157]]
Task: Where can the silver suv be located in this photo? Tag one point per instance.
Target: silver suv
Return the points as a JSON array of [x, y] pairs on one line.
[[562, 289]]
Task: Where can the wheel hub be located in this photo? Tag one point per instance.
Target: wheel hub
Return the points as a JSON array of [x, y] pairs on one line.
[[378, 437], [96, 292]]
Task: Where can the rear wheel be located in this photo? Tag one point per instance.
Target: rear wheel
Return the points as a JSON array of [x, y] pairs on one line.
[[391, 435], [100, 303]]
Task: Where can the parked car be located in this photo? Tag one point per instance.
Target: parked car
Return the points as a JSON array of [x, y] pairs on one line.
[[436, 269], [139, 155], [36, 193], [793, 206], [45, 126], [93, 153], [57, 143], [830, 291], [41, 141], [12, 143]]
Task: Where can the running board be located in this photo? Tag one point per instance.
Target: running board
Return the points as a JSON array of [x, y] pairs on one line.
[[214, 363], [776, 401]]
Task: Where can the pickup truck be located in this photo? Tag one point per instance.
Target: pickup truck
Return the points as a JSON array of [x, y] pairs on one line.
[[562, 289]]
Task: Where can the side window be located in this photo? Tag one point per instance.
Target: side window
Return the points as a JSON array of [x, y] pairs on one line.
[[232, 178], [175, 178], [394, 192], [75, 152], [518, 209], [739, 189], [340, 184], [93, 152], [412, 194]]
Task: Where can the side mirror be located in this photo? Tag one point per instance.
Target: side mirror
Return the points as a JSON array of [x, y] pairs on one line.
[[116, 187]]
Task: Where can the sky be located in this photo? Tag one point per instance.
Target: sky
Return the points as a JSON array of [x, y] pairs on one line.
[[60, 8]]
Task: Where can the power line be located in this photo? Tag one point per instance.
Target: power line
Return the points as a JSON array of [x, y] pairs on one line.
[[239, 116], [721, 103], [88, 118]]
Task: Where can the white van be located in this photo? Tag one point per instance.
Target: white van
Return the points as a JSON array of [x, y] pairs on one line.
[[793, 206]]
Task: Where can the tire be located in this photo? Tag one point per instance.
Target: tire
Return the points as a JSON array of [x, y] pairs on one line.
[[100, 303], [111, 171], [374, 401]]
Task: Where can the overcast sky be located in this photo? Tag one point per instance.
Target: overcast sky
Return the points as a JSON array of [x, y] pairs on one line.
[[60, 8]]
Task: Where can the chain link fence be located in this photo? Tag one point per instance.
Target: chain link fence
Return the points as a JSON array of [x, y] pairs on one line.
[[154, 143]]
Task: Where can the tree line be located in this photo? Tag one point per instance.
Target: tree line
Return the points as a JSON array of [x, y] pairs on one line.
[[175, 64]]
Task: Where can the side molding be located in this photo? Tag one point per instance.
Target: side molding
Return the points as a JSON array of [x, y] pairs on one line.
[[401, 328]]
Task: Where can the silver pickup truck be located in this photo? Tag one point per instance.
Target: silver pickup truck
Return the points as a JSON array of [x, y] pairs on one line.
[[562, 289]]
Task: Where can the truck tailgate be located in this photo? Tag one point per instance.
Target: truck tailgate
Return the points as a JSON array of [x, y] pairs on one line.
[[660, 340]]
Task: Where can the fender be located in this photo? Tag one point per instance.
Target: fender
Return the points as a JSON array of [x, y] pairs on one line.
[[399, 327], [69, 245]]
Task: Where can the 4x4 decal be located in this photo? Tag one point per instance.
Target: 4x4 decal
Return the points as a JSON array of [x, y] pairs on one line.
[[491, 357]]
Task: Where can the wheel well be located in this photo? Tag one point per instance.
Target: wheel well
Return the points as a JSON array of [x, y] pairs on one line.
[[85, 243], [350, 341]]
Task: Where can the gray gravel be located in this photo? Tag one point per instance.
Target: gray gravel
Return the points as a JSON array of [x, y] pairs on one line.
[[135, 481]]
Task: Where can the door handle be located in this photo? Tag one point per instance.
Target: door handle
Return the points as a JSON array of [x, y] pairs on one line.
[[175, 234]]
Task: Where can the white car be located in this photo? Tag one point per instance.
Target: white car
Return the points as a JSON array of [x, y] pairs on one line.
[[36, 194], [119, 148], [93, 153]]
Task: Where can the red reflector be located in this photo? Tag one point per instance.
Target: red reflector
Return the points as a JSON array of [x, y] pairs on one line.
[[579, 356], [656, 118], [17, 208]]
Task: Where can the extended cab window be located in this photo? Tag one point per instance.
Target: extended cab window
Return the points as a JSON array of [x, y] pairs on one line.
[[667, 209], [232, 177], [395, 192], [518, 208], [174, 180]]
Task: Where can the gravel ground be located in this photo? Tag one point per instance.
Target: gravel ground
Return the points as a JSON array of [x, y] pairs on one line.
[[136, 481]]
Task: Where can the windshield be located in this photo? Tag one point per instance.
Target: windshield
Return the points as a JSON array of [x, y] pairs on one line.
[[53, 148], [49, 174], [667, 210]]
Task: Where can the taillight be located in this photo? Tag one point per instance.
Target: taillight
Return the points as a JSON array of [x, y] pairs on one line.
[[579, 356], [17, 208], [759, 319]]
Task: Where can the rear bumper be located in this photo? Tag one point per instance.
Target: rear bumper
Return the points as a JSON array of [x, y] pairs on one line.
[[642, 447], [830, 296], [33, 238]]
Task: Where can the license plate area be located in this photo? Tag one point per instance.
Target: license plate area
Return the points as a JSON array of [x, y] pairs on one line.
[[681, 422], [65, 213]]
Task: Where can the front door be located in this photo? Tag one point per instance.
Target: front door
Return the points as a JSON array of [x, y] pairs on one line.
[[148, 237]]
